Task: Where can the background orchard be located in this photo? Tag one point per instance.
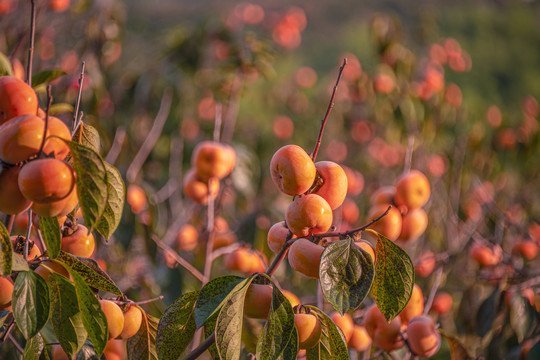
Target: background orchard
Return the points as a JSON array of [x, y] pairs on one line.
[[450, 91]]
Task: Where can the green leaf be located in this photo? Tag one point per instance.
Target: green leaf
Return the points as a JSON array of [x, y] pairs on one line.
[[46, 76], [88, 352], [3, 318], [522, 315], [5, 66], [394, 277], [91, 182], [60, 108], [30, 303], [112, 215], [332, 345], [66, 317], [6, 251], [92, 274], [209, 329], [279, 339], [88, 136], [213, 295], [33, 348], [19, 264], [229, 323], [457, 350], [142, 346], [52, 236], [346, 274], [93, 317], [176, 327]]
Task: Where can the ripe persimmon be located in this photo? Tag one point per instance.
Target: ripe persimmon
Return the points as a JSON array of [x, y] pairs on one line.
[[334, 187], [385, 335], [257, 301], [483, 255], [16, 98], [213, 160], [345, 323], [197, 189], [245, 260], [413, 225], [277, 235], [187, 238], [132, 321], [6, 293], [136, 198], [292, 170], [45, 270], [442, 303], [80, 242], [309, 330], [12, 200], [305, 257], [18, 243], [360, 339], [423, 338], [115, 317], [309, 214], [414, 307], [412, 190], [46, 180], [389, 225], [58, 208]]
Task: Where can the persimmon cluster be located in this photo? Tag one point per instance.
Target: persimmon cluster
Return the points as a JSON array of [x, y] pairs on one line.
[[406, 220]]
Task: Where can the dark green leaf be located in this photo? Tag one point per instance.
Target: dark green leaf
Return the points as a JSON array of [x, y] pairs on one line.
[[534, 353], [33, 348], [46, 76], [112, 215], [30, 303], [66, 317], [88, 352], [52, 236], [457, 350], [212, 296], [521, 315], [92, 274], [142, 346], [88, 136], [332, 345], [251, 332], [91, 182], [229, 323], [176, 327], [209, 329], [6, 250], [93, 318], [486, 313], [346, 274], [3, 317], [279, 339], [394, 277], [5, 65]]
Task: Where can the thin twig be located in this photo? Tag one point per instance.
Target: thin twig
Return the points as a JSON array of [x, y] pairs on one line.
[[225, 250], [137, 302], [199, 350], [75, 124], [211, 233], [180, 260], [16, 344], [152, 137], [28, 230], [281, 254], [408, 155], [233, 108], [328, 110], [31, 43], [217, 122], [433, 290], [46, 125], [10, 220], [116, 147], [8, 330]]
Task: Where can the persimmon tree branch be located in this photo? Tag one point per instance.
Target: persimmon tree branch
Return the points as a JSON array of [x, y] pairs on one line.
[[46, 125], [116, 147], [31, 42], [433, 290], [76, 117], [180, 260], [328, 110]]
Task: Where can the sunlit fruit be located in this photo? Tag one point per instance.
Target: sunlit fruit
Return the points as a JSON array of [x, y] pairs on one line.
[[309, 330], [293, 299], [54, 144], [355, 181], [225, 238], [360, 339], [483, 255], [20, 138], [257, 301], [414, 307], [442, 303], [345, 323], [80, 243], [277, 234], [350, 211], [412, 190], [6, 292], [115, 317], [12, 200], [334, 187], [308, 215], [292, 170], [58, 208], [385, 335], [59, 5], [305, 257], [187, 238], [383, 195], [425, 264], [16, 98], [389, 225], [44, 270], [245, 260], [197, 189], [132, 321], [18, 243], [115, 349], [46, 180], [136, 198], [527, 249], [213, 160], [413, 225], [423, 338]]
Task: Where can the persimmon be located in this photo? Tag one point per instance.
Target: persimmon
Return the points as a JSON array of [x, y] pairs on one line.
[[309, 330], [54, 144], [80, 242], [16, 98], [483, 255], [18, 246], [245, 260], [257, 301], [293, 299], [309, 214], [6, 293], [389, 225], [225, 238], [115, 317], [132, 321], [383, 195], [292, 170], [442, 303], [197, 189], [46, 180], [383, 83], [44, 270], [12, 200], [58, 208], [136, 198], [305, 257], [213, 160], [345, 323], [386, 335], [59, 5], [360, 339], [334, 186], [277, 235], [367, 248], [187, 238], [527, 249], [423, 338], [350, 211], [412, 190], [425, 264], [58, 353], [414, 307], [114, 349], [355, 181], [413, 225]]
